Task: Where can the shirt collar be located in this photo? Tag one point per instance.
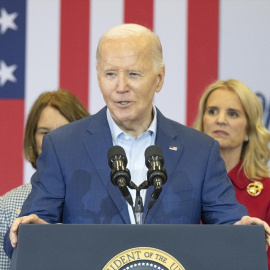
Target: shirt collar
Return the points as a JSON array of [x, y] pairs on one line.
[[116, 130]]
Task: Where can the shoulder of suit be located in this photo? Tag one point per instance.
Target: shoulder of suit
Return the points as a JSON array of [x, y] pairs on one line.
[[183, 130], [82, 124]]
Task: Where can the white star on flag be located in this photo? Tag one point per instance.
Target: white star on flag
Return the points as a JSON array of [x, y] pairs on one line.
[[7, 21], [6, 73]]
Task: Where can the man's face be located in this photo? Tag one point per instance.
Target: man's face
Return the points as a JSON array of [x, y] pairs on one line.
[[128, 82]]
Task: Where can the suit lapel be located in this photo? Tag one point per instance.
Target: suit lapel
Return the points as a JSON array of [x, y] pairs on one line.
[[167, 139], [97, 142]]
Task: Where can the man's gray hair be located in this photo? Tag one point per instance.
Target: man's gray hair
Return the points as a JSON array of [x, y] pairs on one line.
[[134, 30]]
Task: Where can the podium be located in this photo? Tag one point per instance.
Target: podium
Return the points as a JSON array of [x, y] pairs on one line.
[[140, 247]]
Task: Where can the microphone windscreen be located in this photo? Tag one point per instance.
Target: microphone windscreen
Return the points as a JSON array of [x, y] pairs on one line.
[[152, 150], [115, 150]]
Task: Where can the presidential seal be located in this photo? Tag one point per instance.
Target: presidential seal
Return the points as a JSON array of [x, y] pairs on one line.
[[143, 258]]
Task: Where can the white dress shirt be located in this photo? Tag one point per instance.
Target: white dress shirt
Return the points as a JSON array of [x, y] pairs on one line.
[[134, 149]]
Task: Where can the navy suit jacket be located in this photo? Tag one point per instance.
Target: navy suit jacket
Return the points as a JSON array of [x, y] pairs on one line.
[[72, 183]]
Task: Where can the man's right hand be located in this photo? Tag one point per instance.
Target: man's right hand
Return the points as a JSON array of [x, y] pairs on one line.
[[31, 219]]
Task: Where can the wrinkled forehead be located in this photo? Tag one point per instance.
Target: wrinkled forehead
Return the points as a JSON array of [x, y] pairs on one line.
[[127, 52], [134, 43]]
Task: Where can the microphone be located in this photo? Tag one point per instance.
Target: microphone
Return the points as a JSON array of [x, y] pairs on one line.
[[156, 175], [120, 175]]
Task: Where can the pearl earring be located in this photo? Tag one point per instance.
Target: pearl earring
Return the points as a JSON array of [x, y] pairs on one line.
[[246, 138]]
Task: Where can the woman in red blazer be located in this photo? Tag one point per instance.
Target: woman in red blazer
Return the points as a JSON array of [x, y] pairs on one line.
[[232, 114]]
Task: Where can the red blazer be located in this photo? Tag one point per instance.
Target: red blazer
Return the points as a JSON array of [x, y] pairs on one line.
[[258, 206]]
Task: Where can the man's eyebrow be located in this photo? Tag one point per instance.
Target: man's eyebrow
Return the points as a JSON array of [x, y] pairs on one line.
[[109, 69]]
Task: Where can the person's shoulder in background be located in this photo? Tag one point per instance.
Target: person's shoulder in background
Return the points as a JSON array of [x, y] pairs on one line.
[[10, 207], [12, 201]]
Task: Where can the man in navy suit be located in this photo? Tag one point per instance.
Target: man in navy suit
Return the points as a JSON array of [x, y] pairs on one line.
[[72, 183]]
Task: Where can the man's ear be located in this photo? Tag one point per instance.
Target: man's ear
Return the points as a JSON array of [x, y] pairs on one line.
[[160, 78]]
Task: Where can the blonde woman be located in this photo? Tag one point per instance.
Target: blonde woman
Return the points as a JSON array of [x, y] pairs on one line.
[[232, 114]]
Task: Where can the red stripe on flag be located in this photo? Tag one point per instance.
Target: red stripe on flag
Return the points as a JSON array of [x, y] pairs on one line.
[[140, 12], [74, 48], [11, 136], [202, 57]]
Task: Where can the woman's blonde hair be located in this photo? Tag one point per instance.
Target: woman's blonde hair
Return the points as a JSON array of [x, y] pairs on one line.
[[255, 152], [63, 101]]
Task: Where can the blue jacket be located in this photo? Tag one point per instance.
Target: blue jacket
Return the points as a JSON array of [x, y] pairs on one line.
[[72, 183]]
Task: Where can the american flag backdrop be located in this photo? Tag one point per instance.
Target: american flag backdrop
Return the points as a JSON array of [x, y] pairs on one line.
[[50, 44]]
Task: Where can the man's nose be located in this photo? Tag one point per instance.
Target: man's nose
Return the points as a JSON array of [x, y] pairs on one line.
[[122, 83]]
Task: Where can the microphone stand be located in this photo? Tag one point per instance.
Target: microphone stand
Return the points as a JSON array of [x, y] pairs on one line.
[[138, 209]]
